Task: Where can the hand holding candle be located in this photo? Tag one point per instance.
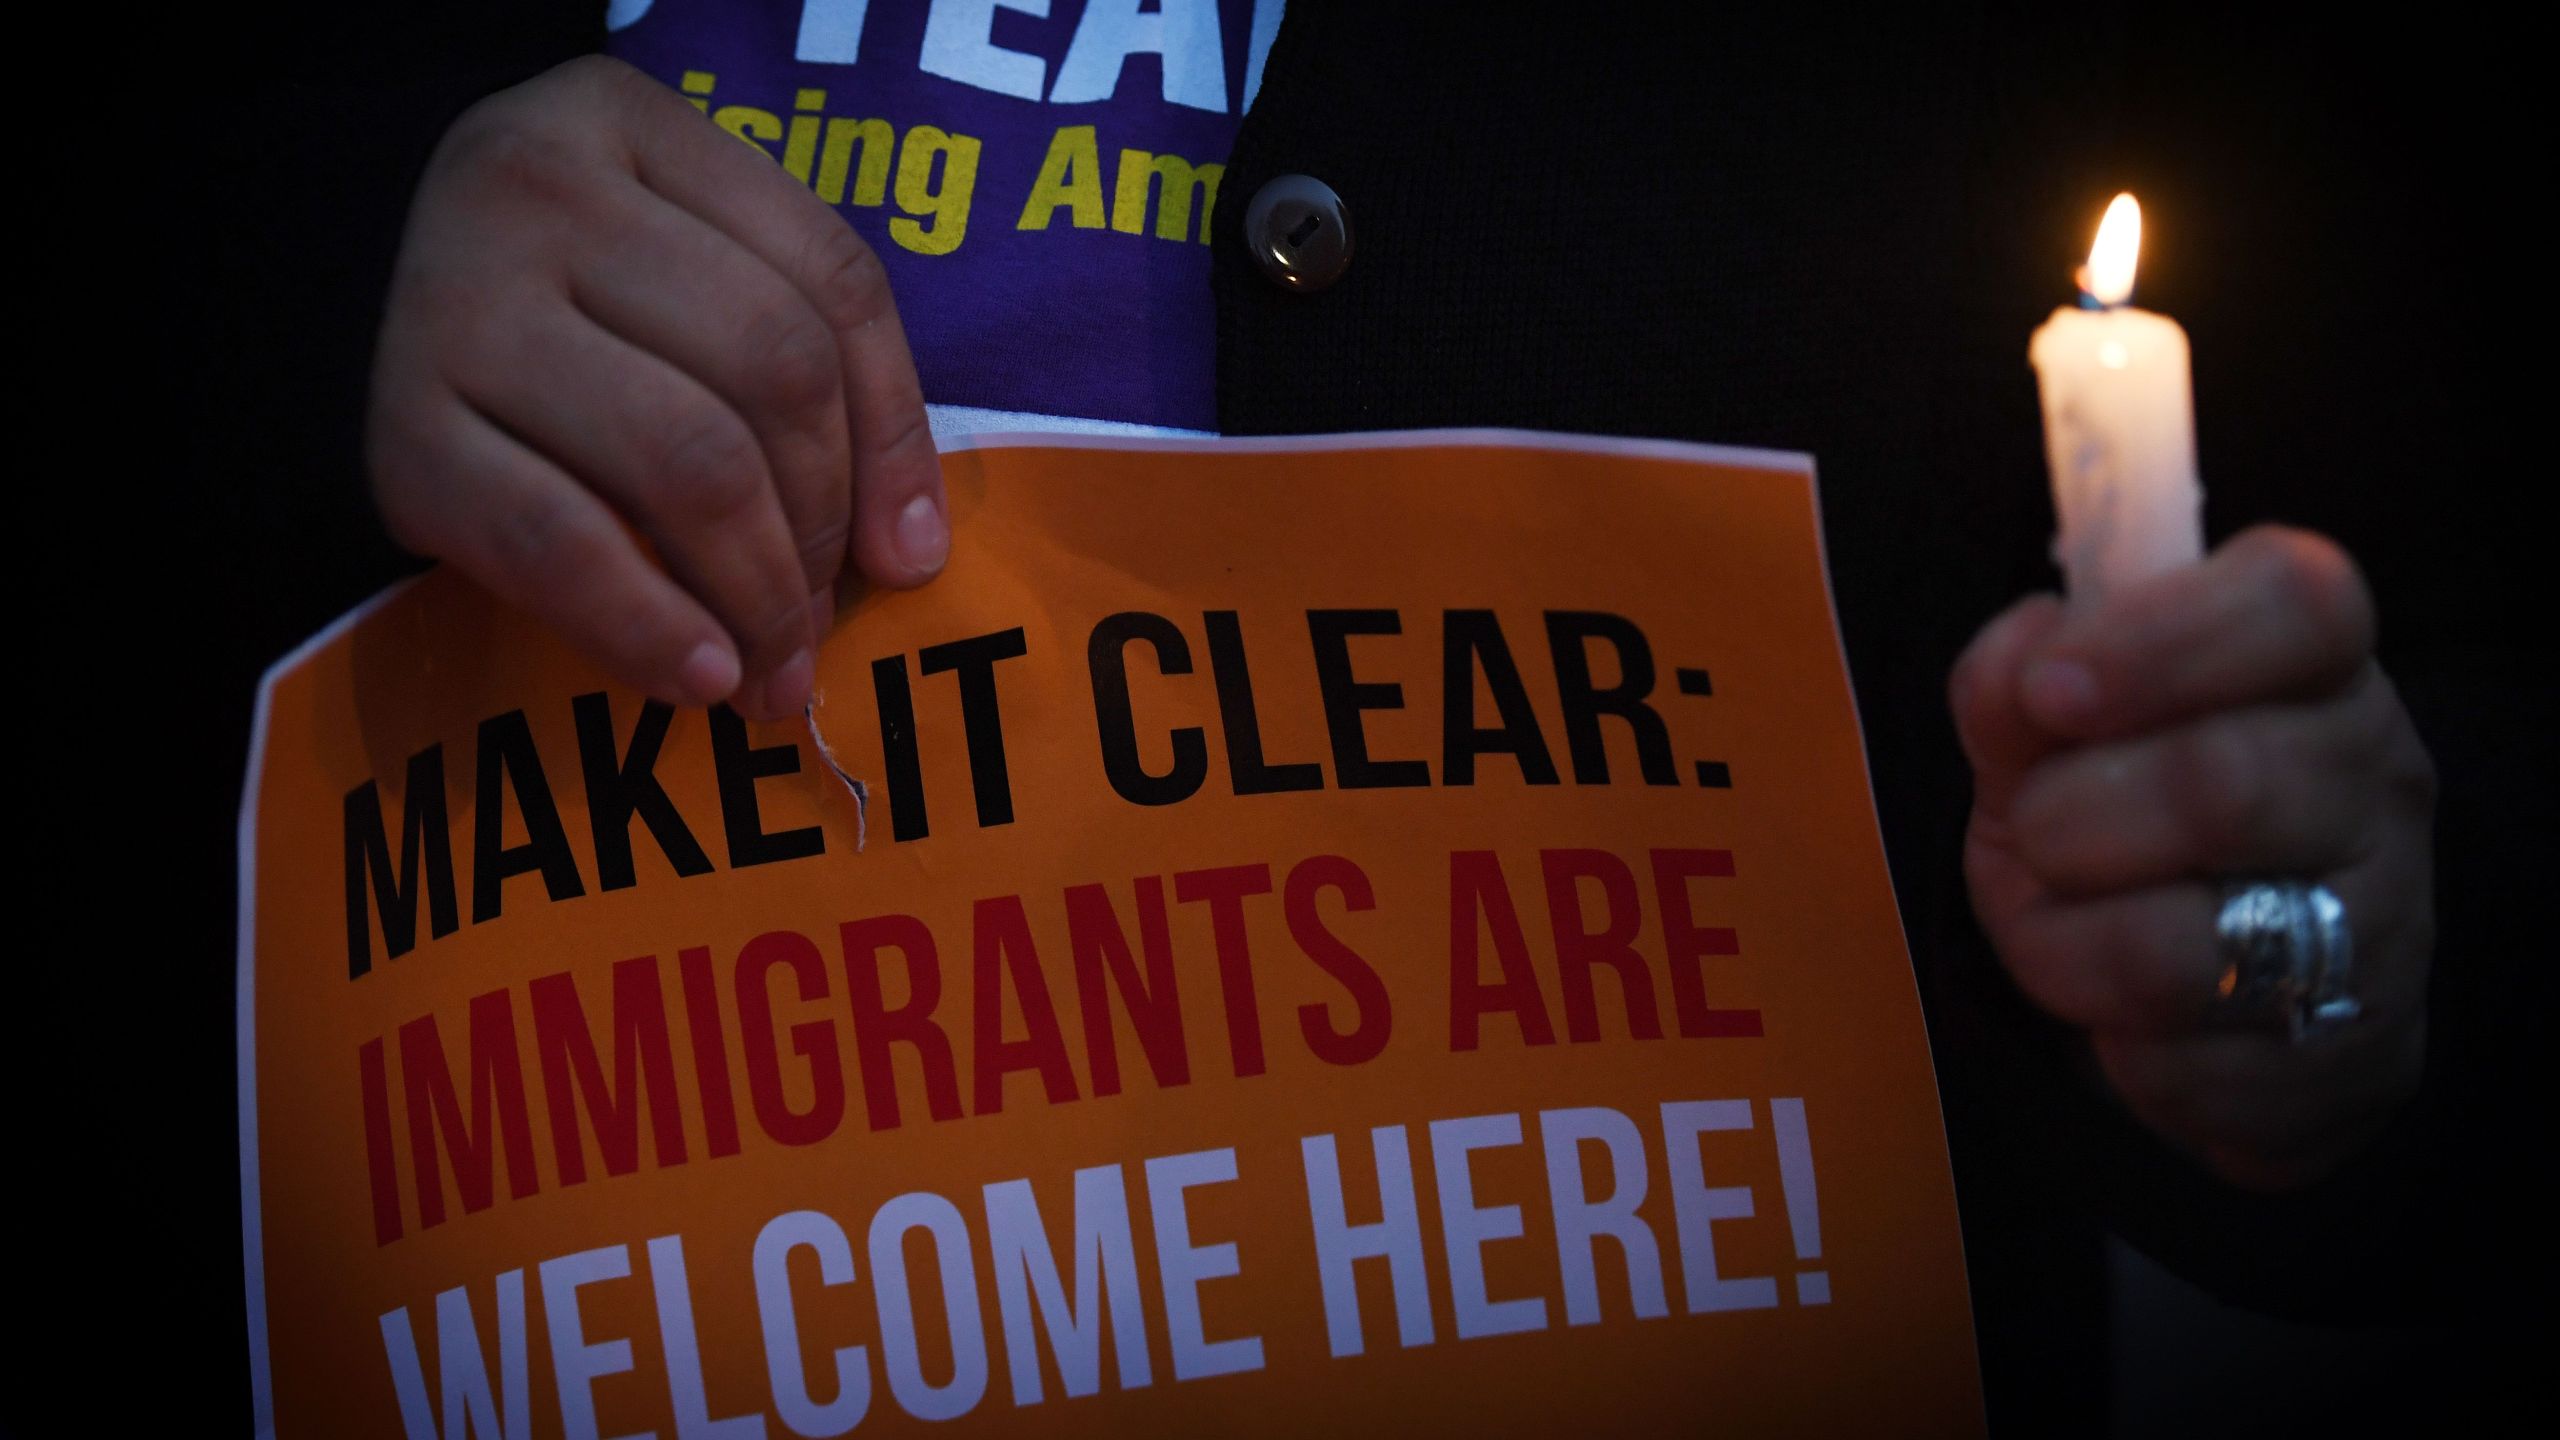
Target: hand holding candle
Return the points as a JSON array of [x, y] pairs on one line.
[[2180, 728], [2119, 425]]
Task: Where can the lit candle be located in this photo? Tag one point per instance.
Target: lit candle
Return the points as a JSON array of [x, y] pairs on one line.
[[2119, 425]]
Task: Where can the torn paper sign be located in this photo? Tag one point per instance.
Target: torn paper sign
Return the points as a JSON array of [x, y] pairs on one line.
[[860, 792]]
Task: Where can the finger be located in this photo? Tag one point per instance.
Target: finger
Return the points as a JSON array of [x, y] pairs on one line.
[[1982, 691], [2149, 961], [538, 540], [675, 287], [2141, 963], [901, 522], [2274, 615], [2277, 790], [674, 460]]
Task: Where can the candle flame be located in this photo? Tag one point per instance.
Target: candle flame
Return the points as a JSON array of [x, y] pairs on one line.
[[2108, 277]]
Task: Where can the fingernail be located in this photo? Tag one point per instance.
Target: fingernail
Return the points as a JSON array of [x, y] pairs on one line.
[[2060, 691], [710, 674], [923, 539], [786, 690]]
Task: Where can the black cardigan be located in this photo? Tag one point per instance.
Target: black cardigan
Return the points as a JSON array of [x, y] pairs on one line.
[[1826, 233], [1834, 234]]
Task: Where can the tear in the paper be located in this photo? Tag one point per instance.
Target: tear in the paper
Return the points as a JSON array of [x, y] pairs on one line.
[[861, 792]]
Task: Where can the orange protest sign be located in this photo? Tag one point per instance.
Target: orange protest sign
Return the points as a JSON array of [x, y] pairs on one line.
[[1384, 933]]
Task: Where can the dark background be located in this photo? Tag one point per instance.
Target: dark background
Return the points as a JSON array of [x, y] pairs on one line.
[[249, 221]]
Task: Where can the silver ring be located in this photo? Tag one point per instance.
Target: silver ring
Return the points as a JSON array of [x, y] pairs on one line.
[[2286, 953]]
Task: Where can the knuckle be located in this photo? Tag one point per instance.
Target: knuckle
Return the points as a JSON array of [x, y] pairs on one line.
[[793, 356], [2111, 964], [2037, 954], [408, 516], [499, 152], [2221, 782], [442, 308], [421, 292], [548, 132], [1997, 646], [705, 467], [2378, 744], [476, 130], [2041, 818], [1966, 676], [620, 99], [1986, 660], [535, 539], [588, 88], [2413, 774], [2310, 576], [2408, 767], [406, 478], [912, 445], [596, 71], [2155, 979], [780, 627], [847, 283], [822, 549], [2055, 981], [621, 625], [543, 139]]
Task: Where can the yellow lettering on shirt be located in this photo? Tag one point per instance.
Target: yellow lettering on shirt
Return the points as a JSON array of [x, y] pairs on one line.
[[802, 146], [749, 124], [1070, 179], [1173, 211], [871, 184], [947, 203]]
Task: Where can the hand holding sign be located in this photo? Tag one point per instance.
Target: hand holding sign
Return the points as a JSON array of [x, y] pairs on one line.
[[608, 314], [2219, 721]]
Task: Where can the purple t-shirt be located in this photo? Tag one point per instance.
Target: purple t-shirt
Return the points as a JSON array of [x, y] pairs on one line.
[[1037, 175]]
